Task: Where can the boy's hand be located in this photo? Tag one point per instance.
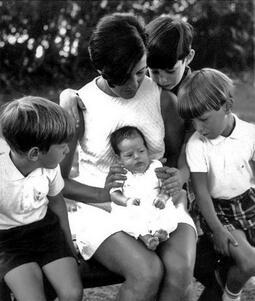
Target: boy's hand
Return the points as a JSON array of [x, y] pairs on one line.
[[222, 238], [171, 179], [131, 201], [70, 100], [159, 202]]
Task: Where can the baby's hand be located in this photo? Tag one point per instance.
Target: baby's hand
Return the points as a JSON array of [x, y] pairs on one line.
[[160, 202], [133, 201]]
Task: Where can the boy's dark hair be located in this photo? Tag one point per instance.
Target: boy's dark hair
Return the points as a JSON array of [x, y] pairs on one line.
[[124, 133], [169, 40], [116, 46], [203, 91], [35, 122]]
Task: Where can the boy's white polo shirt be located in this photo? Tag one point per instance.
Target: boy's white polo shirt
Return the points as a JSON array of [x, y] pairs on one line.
[[23, 200], [226, 160]]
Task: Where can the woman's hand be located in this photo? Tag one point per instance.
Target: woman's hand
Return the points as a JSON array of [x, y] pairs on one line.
[[115, 177], [222, 238], [171, 178], [70, 100]]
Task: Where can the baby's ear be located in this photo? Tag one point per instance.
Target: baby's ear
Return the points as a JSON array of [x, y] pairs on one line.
[[33, 153]]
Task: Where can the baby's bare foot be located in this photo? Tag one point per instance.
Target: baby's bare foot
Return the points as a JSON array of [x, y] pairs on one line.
[[161, 234], [150, 241]]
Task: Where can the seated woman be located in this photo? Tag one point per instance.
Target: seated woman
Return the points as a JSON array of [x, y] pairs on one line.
[[123, 95]]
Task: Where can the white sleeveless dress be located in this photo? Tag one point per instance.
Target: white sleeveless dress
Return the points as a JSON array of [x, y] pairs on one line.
[[104, 114]]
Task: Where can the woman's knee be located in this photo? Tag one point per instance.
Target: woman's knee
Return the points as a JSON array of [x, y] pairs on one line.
[[147, 274], [178, 270]]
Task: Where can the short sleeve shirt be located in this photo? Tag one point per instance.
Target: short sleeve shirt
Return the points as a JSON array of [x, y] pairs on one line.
[[226, 160], [23, 200]]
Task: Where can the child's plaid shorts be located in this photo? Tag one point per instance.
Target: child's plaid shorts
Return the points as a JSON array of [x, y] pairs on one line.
[[237, 213]]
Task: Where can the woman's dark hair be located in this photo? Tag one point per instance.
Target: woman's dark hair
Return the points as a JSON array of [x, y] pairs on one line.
[[169, 40], [117, 44], [124, 133]]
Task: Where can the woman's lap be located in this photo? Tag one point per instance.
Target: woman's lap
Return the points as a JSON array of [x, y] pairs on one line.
[[91, 226], [180, 245], [126, 255]]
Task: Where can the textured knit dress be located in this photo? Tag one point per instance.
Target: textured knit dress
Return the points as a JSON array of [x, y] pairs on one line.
[[104, 114]]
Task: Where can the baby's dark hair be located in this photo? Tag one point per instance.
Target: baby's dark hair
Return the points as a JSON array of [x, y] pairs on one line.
[[116, 45], [203, 91], [124, 133], [33, 121], [169, 40]]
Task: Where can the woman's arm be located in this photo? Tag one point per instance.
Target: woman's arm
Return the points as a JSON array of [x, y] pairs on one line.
[[172, 178], [222, 237], [73, 189], [174, 127]]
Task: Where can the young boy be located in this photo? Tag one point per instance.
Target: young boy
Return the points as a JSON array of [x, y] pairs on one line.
[[221, 156], [34, 231], [153, 216]]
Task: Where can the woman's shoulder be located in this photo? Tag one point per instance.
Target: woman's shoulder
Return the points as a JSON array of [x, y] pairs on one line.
[[88, 87], [149, 84]]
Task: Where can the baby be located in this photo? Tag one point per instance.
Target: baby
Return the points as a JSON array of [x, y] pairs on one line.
[[145, 211]]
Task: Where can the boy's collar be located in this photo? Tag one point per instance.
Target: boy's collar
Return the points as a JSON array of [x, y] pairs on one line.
[[236, 133], [13, 172]]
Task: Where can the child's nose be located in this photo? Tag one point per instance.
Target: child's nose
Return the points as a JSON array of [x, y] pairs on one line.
[[136, 155]]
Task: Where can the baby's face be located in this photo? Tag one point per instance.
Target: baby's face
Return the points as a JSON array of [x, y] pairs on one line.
[[134, 154]]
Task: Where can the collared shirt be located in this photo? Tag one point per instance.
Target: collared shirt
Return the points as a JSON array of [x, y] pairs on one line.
[[226, 160], [23, 200]]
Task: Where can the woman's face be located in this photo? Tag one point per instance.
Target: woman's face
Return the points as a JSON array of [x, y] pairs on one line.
[[130, 87]]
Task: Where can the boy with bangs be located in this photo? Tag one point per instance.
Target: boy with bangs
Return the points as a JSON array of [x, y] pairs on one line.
[[221, 155], [35, 236]]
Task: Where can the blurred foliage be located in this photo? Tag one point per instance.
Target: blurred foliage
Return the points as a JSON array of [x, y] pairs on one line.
[[44, 42]]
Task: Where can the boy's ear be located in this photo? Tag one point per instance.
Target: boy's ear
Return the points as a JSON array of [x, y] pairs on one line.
[[190, 57], [33, 154]]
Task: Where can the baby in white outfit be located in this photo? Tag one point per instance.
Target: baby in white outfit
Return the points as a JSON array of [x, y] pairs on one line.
[[143, 209]]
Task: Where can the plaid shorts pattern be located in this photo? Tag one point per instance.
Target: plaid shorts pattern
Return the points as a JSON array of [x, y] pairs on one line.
[[236, 213]]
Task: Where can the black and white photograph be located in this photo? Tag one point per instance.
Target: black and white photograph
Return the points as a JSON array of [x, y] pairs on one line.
[[127, 150]]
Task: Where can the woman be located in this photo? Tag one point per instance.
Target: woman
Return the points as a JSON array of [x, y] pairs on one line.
[[123, 95]]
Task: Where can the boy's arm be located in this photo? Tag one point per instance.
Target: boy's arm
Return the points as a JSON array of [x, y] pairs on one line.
[[58, 206], [222, 237]]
